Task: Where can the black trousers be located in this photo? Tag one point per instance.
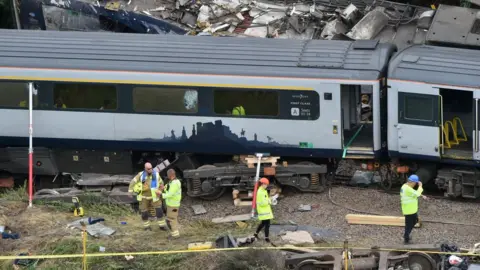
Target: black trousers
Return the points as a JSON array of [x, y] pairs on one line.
[[265, 224], [410, 221]]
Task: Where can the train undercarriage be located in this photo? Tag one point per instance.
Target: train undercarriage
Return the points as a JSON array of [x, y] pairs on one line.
[[208, 177]]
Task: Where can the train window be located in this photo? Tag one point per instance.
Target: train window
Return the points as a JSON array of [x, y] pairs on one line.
[[15, 94], [165, 100], [246, 102], [418, 109], [85, 96]]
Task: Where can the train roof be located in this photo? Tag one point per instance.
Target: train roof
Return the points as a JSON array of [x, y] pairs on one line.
[[437, 65], [357, 60]]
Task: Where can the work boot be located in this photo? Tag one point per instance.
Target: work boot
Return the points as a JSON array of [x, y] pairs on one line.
[[169, 237], [163, 228], [256, 235], [267, 240], [147, 229]]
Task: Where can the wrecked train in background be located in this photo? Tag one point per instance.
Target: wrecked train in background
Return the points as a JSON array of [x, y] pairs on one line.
[[324, 19], [73, 15], [159, 97]]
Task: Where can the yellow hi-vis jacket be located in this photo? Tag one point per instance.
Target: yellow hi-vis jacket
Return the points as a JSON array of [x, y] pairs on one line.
[[143, 182], [409, 199], [173, 194], [264, 210], [239, 110]]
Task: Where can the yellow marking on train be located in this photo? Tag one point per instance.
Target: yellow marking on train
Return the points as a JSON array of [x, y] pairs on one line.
[[228, 85]]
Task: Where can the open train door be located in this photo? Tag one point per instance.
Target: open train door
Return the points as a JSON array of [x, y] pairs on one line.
[[419, 122], [476, 126]]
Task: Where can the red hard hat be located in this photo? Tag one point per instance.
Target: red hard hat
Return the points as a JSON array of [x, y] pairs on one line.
[[264, 181]]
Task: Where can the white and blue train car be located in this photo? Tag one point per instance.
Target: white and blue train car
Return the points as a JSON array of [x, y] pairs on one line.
[[433, 115], [102, 97]]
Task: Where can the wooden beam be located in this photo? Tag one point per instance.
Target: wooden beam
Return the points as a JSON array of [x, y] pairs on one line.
[[377, 220], [226, 219]]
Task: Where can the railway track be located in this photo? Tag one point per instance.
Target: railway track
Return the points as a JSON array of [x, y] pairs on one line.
[[342, 181]]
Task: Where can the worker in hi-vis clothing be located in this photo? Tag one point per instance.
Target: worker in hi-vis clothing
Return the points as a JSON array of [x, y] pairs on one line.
[[264, 209], [409, 201], [173, 196], [148, 185], [238, 110]]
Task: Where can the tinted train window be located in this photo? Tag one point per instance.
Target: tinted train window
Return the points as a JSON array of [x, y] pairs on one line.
[[245, 102], [85, 96], [418, 109], [15, 94], [165, 100]]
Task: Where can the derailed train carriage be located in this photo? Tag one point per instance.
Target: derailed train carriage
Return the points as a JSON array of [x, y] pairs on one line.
[[105, 103]]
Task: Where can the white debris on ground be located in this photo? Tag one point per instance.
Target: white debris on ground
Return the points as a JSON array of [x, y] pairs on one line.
[[330, 217], [322, 19]]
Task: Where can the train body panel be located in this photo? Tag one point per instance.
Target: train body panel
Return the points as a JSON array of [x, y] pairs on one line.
[[301, 98]]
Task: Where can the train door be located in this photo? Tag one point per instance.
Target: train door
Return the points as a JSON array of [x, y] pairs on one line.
[[458, 115], [357, 121], [419, 122], [476, 126]]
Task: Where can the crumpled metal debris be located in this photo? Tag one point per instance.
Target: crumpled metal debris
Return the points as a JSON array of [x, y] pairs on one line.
[[299, 19], [370, 25]]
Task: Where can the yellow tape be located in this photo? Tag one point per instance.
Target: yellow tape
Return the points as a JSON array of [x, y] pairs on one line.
[[165, 252]]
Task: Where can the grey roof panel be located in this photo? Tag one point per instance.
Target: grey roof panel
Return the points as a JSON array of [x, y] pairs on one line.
[[437, 65], [187, 54]]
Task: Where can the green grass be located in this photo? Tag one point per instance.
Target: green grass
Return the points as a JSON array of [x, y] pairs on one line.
[[19, 194], [50, 217]]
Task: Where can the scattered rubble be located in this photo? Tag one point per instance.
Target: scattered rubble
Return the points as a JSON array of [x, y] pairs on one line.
[[198, 209], [298, 237], [305, 208], [93, 226]]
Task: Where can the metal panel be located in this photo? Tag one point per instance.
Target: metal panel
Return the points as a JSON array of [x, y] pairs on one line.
[[417, 137], [437, 65], [187, 54], [428, 103], [455, 26], [476, 127]]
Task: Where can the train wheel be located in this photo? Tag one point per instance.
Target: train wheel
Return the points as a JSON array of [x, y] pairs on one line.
[[216, 192], [215, 195], [387, 181]]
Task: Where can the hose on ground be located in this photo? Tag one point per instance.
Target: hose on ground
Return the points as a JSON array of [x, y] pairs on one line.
[[378, 214]]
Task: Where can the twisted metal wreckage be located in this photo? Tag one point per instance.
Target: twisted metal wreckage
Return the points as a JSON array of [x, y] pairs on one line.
[[321, 19]]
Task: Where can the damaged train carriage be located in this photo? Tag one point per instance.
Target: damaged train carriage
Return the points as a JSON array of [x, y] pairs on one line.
[[434, 118], [107, 99]]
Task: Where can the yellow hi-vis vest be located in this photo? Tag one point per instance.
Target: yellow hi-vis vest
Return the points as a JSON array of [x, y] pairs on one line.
[[264, 210], [155, 183], [239, 110], [409, 199], [173, 194]]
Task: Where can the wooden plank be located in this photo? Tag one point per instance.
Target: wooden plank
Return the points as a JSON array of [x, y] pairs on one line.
[[226, 219], [239, 203], [263, 160], [377, 220], [252, 161]]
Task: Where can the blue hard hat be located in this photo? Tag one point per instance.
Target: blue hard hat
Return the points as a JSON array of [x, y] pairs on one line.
[[413, 178]]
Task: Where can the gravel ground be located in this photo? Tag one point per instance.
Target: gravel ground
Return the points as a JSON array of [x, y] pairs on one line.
[[329, 216]]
